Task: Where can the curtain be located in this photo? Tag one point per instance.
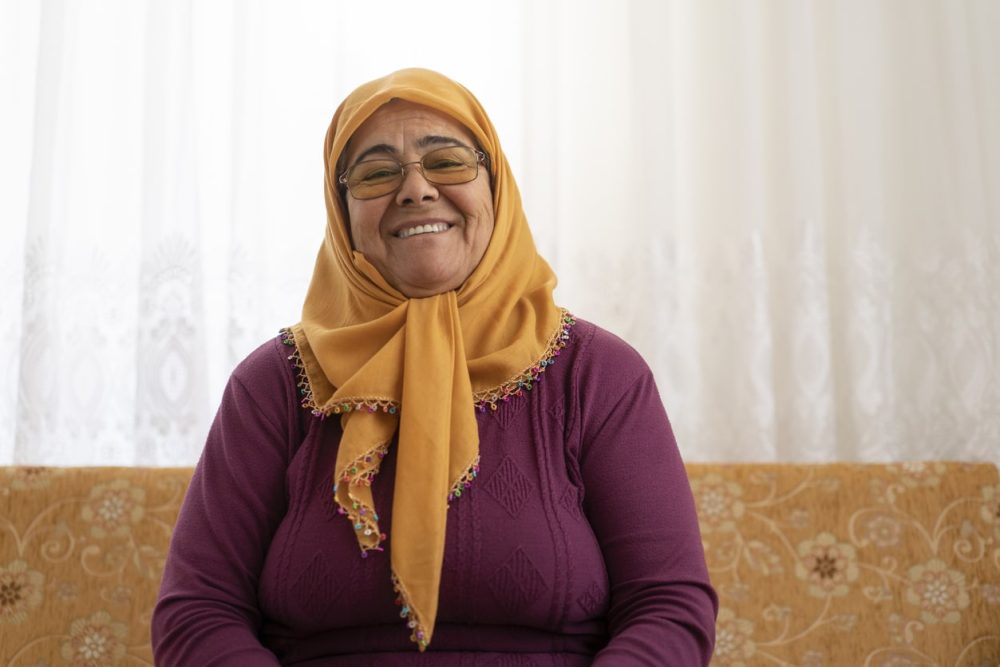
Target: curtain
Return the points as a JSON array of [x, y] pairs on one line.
[[790, 208]]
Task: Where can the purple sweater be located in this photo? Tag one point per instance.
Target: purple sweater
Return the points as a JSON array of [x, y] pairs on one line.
[[577, 544]]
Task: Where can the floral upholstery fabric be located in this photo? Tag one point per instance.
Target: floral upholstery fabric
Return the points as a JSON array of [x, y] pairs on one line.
[[850, 564], [81, 555], [816, 565]]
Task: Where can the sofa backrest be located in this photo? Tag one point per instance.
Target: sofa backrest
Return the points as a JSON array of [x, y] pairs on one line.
[[850, 564], [827, 564], [81, 555]]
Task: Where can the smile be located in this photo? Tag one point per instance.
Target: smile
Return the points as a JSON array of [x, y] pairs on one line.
[[434, 228]]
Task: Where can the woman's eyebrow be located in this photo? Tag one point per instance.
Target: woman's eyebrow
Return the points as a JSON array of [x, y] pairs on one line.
[[377, 148], [437, 139]]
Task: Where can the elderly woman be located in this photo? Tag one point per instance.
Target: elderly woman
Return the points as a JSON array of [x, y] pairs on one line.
[[436, 466]]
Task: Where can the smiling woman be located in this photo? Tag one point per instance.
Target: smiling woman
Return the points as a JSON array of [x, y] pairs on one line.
[[512, 521]]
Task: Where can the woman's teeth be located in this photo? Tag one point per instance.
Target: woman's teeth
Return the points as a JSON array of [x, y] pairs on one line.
[[423, 229]]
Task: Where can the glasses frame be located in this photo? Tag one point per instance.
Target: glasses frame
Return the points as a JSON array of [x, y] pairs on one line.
[[344, 179]]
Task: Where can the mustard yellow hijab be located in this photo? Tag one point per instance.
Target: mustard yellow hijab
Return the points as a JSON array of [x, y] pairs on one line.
[[383, 361]]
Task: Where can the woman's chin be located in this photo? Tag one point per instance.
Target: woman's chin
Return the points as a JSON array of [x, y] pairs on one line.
[[420, 284]]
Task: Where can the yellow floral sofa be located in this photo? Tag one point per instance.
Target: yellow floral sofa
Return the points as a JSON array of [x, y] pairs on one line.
[[816, 565]]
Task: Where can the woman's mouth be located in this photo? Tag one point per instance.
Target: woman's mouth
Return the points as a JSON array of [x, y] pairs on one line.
[[432, 228]]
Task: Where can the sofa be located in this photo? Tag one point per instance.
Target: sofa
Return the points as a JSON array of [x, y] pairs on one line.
[[815, 564]]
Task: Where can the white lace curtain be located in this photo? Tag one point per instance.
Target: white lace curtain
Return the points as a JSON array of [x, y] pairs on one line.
[[791, 208]]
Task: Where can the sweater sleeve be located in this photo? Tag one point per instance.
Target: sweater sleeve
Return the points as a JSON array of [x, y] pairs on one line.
[[639, 502], [207, 611]]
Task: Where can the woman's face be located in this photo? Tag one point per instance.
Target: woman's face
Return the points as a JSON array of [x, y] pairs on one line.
[[456, 220]]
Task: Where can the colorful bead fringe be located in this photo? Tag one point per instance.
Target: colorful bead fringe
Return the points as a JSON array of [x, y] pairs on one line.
[[418, 634], [464, 482], [483, 400], [308, 401], [526, 380], [362, 472], [302, 379]]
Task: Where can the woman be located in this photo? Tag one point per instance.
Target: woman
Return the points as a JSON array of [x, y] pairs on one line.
[[436, 460]]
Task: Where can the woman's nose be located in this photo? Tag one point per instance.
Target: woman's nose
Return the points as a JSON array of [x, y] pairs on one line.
[[415, 188]]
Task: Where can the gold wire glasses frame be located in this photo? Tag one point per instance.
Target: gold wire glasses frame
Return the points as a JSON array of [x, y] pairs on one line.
[[451, 165]]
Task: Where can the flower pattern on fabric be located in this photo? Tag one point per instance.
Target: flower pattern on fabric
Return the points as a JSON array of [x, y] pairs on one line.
[[991, 593], [97, 641], [21, 591], [54, 574], [990, 509], [920, 473], [65, 591], [120, 594], [852, 533], [883, 531], [733, 640], [29, 478], [719, 503], [938, 590], [113, 508], [828, 565]]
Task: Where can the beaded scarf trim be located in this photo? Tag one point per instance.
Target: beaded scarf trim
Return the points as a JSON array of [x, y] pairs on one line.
[[362, 472], [524, 381], [418, 634], [483, 400], [465, 481], [308, 401]]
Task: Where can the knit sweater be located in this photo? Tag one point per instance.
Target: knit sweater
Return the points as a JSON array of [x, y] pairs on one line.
[[577, 544]]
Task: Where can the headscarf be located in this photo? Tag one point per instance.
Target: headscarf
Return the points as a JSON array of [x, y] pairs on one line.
[[383, 361]]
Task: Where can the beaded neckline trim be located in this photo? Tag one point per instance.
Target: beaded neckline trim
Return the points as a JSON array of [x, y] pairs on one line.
[[483, 400], [308, 401], [525, 381]]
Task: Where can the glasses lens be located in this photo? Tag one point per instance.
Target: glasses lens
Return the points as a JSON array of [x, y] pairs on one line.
[[374, 178], [447, 166]]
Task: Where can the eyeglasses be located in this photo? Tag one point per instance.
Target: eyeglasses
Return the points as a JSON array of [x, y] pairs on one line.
[[451, 165]]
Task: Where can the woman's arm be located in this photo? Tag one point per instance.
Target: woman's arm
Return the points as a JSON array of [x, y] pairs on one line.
[[207, 612], [639, 502]]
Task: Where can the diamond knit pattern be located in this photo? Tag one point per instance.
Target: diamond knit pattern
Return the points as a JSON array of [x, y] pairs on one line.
[[570, 501], [508, 410], [509, 486], [590, 599], [517, 583], [318, 577], [558, 410]]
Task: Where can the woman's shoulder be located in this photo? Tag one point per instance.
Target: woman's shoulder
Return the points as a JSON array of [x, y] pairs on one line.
[[603, 354], [267, 379], [269, 366]]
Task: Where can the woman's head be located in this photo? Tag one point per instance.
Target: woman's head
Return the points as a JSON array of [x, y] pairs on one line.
[[425, 236], [401, 119]]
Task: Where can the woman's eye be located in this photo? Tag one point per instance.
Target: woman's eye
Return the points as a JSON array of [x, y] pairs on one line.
[[378, 174], [445, 164]]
